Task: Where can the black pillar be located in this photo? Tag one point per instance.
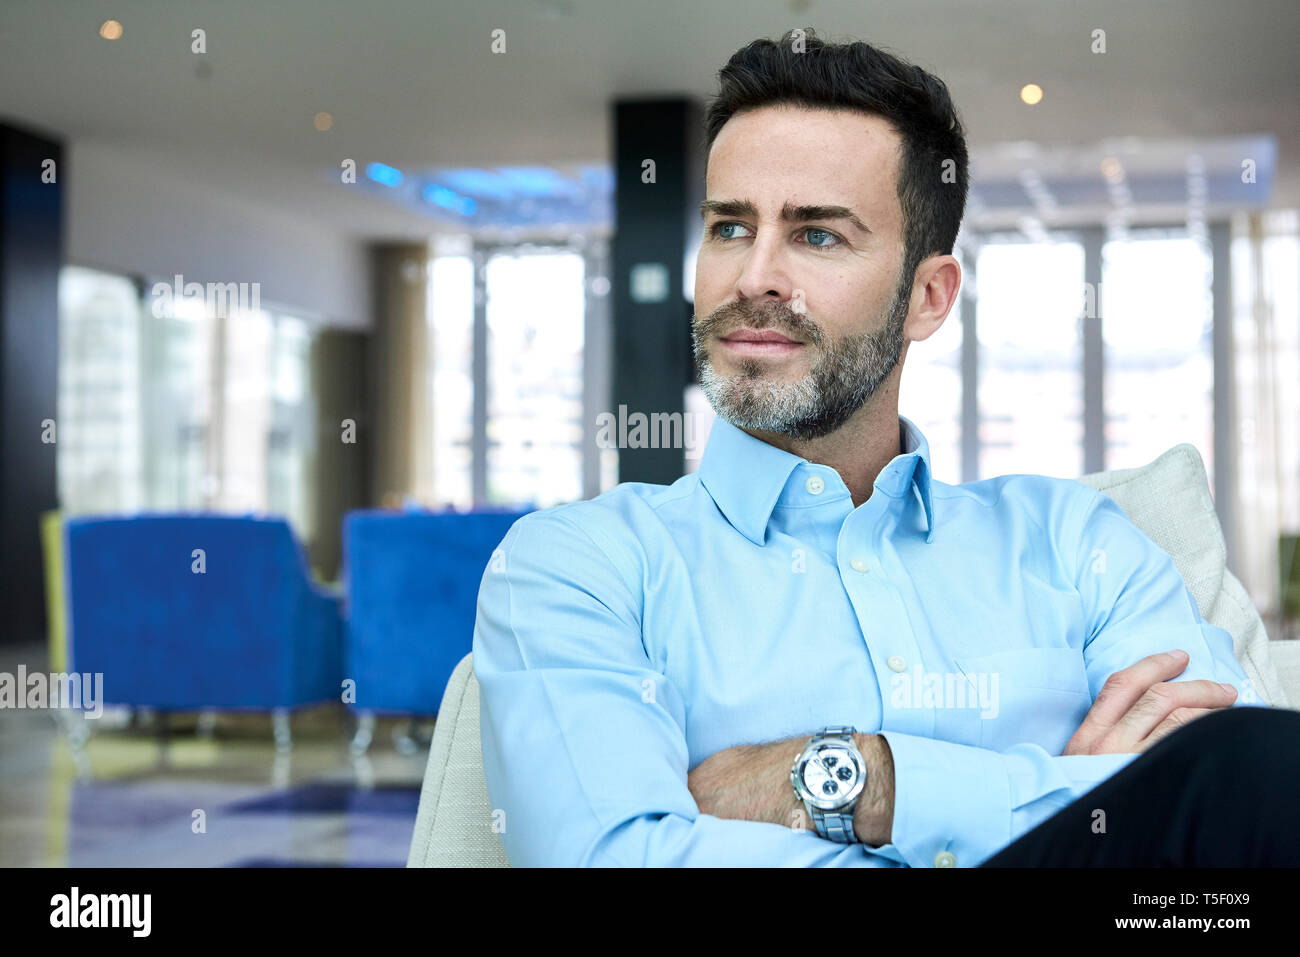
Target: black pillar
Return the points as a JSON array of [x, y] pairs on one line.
[[31, 252], [655, 225], [340, 472]]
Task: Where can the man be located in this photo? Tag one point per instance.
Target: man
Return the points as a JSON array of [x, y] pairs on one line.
[[809, 652]]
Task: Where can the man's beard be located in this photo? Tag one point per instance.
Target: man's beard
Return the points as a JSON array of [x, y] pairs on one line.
[[845, 375]]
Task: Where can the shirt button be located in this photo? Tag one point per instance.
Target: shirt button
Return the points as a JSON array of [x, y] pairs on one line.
[[859, 565], [945, 859], [815, 485], [896, 663]]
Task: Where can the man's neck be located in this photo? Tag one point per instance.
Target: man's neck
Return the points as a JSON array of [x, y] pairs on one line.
[[858, 450]]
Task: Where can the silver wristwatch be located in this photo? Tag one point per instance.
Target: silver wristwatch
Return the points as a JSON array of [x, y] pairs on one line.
[[828, 777]]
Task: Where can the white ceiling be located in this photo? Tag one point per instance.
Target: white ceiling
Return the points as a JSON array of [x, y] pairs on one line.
[[413, 83]]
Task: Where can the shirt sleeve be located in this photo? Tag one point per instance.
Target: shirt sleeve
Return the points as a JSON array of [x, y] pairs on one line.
[[971, 802], [584, 746]]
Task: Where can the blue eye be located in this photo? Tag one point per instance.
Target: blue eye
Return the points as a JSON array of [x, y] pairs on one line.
[[718, 230], [823, 232]]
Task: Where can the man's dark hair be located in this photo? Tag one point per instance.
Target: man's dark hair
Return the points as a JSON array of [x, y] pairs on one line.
[[861, 77]]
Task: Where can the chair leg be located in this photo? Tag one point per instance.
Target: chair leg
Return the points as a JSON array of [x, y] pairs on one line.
[[402, 739], [280, 725], [365, 732], [75, 728], [163, 735], [410, 740], [143, 717], [364, 770], [281, 765]]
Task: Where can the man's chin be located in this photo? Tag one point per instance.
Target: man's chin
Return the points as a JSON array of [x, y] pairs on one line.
[[768, 372], [752, 408], [761, 372]]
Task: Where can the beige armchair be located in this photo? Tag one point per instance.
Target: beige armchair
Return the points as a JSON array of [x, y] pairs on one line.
[[1169, 499]]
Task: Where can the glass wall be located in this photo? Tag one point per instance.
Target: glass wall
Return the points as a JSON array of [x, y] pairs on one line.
[[1266, 324], [534, 302], [244, 401], [176, 389], [291, 440], [170, 404], [1030, 358], [1158, 330], [535, 312], [99, 428], [451, 311]]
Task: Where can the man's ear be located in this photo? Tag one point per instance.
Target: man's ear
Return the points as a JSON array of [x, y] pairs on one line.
[[934, 292]]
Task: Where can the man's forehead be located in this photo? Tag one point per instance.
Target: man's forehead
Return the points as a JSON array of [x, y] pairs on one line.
[[809, 132], [807, 155]]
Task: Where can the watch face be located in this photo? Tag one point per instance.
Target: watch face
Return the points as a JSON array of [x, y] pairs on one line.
[[830, 777]]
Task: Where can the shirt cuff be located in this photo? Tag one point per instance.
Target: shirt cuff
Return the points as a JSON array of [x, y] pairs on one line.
[[952, 803]]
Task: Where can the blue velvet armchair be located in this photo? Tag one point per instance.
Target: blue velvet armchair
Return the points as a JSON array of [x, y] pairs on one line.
[[412, 580], [188, 612]]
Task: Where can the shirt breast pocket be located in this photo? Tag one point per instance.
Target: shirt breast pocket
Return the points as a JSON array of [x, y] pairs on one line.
[[1036, 696]]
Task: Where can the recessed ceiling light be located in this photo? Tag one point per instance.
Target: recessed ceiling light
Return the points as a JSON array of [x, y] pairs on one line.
[[322, 121], [1031, 93], [110, 30]]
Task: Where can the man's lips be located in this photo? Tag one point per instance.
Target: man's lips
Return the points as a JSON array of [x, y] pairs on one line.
[[750, 335], [747, 342]]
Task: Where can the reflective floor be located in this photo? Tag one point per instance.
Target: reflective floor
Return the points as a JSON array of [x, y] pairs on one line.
[[185, 792]]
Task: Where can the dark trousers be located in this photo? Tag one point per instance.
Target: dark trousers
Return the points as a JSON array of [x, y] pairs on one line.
[[1224, 791]]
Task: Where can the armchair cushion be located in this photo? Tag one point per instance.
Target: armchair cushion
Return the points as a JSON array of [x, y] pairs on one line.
[[1169, 499]]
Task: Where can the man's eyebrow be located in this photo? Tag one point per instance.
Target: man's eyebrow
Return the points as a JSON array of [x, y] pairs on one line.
[[790, 213], [728, 207]]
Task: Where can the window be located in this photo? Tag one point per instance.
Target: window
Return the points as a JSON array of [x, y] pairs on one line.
[[291, 442], [166, 406], [1266, 327], [244, 426], [535, 312], [176, 388], [1158, 330], [98, 431], [451, 309], [1031, 359]]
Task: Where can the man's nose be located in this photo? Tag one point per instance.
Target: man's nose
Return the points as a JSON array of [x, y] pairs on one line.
[[765, 275]]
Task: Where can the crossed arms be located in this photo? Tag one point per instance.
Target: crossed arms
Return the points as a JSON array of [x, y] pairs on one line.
[[1135, 708], [586, 772]]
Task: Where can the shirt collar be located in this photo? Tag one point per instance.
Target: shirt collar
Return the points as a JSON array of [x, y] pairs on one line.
[[745, 476]]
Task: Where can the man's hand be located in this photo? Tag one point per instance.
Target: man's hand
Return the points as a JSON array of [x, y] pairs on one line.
[[1138, 706], [752, 783]]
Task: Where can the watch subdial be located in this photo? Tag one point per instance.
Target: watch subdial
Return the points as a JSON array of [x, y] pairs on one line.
[[828, 775]]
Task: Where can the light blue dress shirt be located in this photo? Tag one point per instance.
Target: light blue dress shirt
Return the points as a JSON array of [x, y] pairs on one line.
[[620, 641]]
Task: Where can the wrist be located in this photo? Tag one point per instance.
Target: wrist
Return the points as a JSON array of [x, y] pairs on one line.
[[873, 815], [873, 807]]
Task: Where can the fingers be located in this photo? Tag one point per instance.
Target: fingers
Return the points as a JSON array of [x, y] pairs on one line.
[[1178, 718], [1161, 701], [1120, 692]]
